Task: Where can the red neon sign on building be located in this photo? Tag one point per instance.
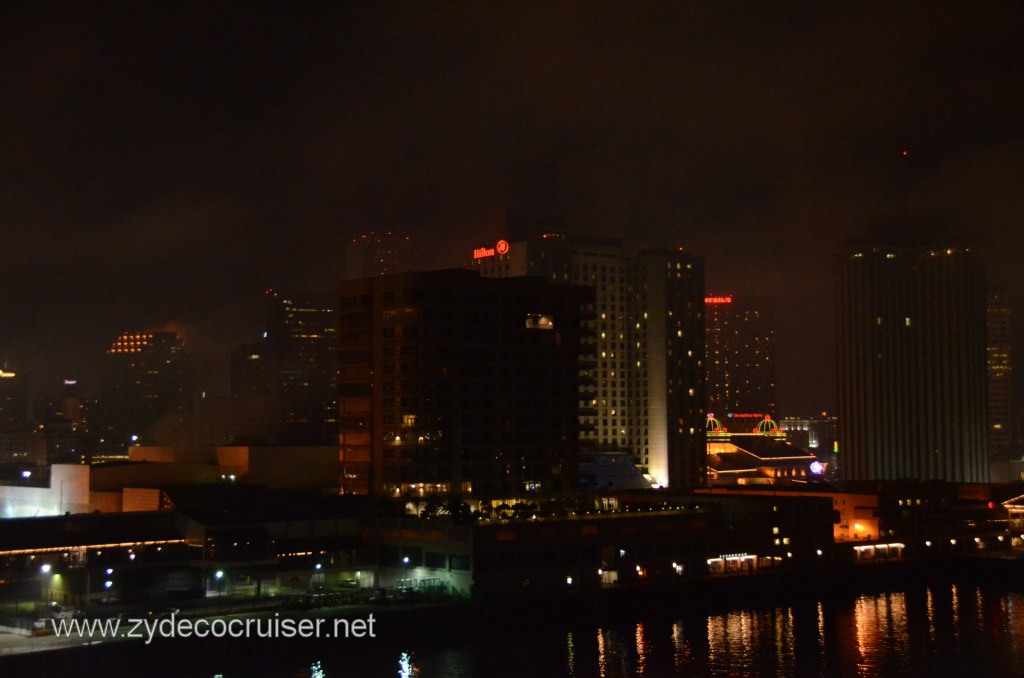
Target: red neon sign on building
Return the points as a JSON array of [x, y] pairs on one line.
[[718, 300], [501, 247]]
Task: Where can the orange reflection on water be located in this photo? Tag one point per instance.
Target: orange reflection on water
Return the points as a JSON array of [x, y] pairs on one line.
[[570, 655], [881, 624], [733, 638], [930, 606], [641, 651], [681, 651]]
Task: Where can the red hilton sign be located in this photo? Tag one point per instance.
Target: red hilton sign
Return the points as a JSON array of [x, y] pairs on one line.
[[501, 247]]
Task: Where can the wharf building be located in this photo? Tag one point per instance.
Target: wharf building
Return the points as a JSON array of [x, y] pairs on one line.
[[453, 383], [646, 340], [819, 436], [911, 357], [740, 356], [762, 455]]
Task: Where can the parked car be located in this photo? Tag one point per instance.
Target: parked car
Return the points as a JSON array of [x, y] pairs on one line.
[[61, 612]]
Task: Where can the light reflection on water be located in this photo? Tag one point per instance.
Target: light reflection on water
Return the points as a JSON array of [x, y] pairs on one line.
[[641, 651], [924, 630]]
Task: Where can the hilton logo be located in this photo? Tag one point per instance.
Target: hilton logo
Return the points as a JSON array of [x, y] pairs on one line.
[[500, 248]]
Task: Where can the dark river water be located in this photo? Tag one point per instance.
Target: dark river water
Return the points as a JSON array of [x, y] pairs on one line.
[[921, 629]]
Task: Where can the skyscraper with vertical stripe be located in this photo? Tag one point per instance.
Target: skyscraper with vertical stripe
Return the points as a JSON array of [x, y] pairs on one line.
[[911, 357]]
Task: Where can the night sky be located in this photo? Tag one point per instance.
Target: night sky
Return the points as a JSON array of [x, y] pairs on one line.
[[161, 164]]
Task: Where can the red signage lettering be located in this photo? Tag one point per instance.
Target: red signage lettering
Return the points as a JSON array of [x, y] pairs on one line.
[[501, 247]]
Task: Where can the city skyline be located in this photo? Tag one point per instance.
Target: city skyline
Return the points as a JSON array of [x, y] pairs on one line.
[[166, 164]]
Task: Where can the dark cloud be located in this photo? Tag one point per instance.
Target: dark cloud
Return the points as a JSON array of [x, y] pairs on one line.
[[167, 162]]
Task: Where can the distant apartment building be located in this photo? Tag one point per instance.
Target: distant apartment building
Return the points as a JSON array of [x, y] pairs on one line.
[[740, 357], [453, 383], [646, 338]]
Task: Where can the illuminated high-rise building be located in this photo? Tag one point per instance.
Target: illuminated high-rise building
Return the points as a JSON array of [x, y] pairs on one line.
[[146, 384], [644, 389], [300, 351], [289, 376], [740, 357], [251, 371], [65, 422], [1000, 376], [911, 339], [450, 383], [376, 254], [13, 399]]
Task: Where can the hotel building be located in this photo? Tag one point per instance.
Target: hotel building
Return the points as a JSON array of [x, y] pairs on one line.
[[647, 339], [453, 383], [911, 335], [740, 357]]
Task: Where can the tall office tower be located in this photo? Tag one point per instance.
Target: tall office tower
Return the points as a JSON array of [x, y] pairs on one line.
[[146, 384], [648, 344], [740, 357], [299, 350], [65, 422], [1000, 388], [376, 254], [13, 399], [251, 372], [911, 358], [449, 383]]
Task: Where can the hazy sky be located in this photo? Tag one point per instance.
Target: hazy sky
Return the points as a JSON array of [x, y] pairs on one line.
[[163, 163]]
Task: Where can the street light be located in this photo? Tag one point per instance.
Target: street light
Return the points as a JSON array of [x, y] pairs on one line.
[[219, 576]]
